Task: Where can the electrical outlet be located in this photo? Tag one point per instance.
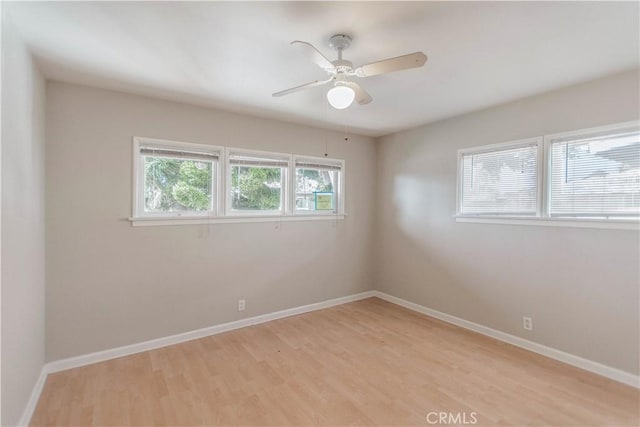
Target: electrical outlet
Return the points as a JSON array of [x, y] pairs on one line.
[[241, 305], [527, 323]]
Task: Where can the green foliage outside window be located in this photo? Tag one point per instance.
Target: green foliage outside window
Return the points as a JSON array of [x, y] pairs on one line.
[[255, 188], [177, 185]]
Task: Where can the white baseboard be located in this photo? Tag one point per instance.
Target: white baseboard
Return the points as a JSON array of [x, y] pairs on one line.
[[99, 356], [33, 399], [570, 359], [87, 359]]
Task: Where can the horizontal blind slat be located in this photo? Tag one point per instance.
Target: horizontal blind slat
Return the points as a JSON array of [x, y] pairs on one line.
[[181, 154], [318, 166], [259, 163], [248, 160]]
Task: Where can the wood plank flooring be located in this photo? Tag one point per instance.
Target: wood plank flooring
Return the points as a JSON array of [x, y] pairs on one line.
[[365, 363]]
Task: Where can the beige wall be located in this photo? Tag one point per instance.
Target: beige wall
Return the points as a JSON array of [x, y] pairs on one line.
[[23, 235], [579, 285], [110, 284]]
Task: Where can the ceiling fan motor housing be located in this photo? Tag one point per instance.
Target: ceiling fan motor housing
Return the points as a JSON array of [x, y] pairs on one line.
[[343, 66]]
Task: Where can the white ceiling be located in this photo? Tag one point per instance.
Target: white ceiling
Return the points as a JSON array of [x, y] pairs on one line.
[[233, 55]]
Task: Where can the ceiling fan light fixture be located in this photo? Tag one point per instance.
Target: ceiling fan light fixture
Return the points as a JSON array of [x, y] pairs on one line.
[[340, 96], [345, 91]]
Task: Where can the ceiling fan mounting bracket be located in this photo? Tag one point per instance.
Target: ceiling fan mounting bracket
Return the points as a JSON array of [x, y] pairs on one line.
[[340, 42]]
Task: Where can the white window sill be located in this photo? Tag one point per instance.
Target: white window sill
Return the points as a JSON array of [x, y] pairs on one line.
[[619, 224], [192, 220]]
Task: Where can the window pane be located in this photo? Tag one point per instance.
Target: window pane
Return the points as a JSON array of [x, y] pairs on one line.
[[173, 185], [256, 188], [597, 176], [315, 189], [500, 182]]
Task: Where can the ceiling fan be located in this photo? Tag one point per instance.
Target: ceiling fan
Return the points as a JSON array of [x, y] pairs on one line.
[[344, 90]]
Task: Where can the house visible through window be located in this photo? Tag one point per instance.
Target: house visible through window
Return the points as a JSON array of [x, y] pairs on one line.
[[317, 185], [590, 174], [595, 174]]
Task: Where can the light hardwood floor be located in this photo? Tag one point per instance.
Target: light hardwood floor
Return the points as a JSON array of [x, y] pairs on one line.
[[365, 363]]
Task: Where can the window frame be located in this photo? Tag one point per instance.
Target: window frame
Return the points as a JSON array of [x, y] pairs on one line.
[[491, 148], [578, 134], [221, 212], [543, 215], [339, 197], [284, 210], [138, 211]]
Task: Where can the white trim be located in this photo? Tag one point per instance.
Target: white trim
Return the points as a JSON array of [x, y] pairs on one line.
[[146, 221], [615, 224], [570, 359], [634, 124], [291, 186], [546, 178], [138, 175], [543, 203], [340, 197], [221, 211], [270, 155], [540, 180], [321, 161], [502, 146], [99, 356], [33, 399], [549, 140], [284, 182]]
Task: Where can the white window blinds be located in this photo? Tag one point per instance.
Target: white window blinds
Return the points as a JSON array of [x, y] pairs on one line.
[[318, 165], [264, 162], [596, 175], [500, 181], [171, 153]]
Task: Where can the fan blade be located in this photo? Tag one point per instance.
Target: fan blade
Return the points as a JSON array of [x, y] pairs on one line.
[[362, 97], [412, 60], [316, 56], [301, 87]]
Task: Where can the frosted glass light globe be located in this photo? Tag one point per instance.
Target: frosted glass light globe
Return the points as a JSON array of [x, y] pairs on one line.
[[340, 97]]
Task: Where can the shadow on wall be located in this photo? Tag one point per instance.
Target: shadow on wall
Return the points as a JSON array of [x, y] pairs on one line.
[[495, 274], [459, 266], [429, 258]]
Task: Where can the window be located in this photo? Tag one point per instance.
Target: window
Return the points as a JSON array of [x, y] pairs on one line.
[[185, 183], [499, 179], [257, 183], [175, 179], [595, 173], [578, 177], [318, 185]]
